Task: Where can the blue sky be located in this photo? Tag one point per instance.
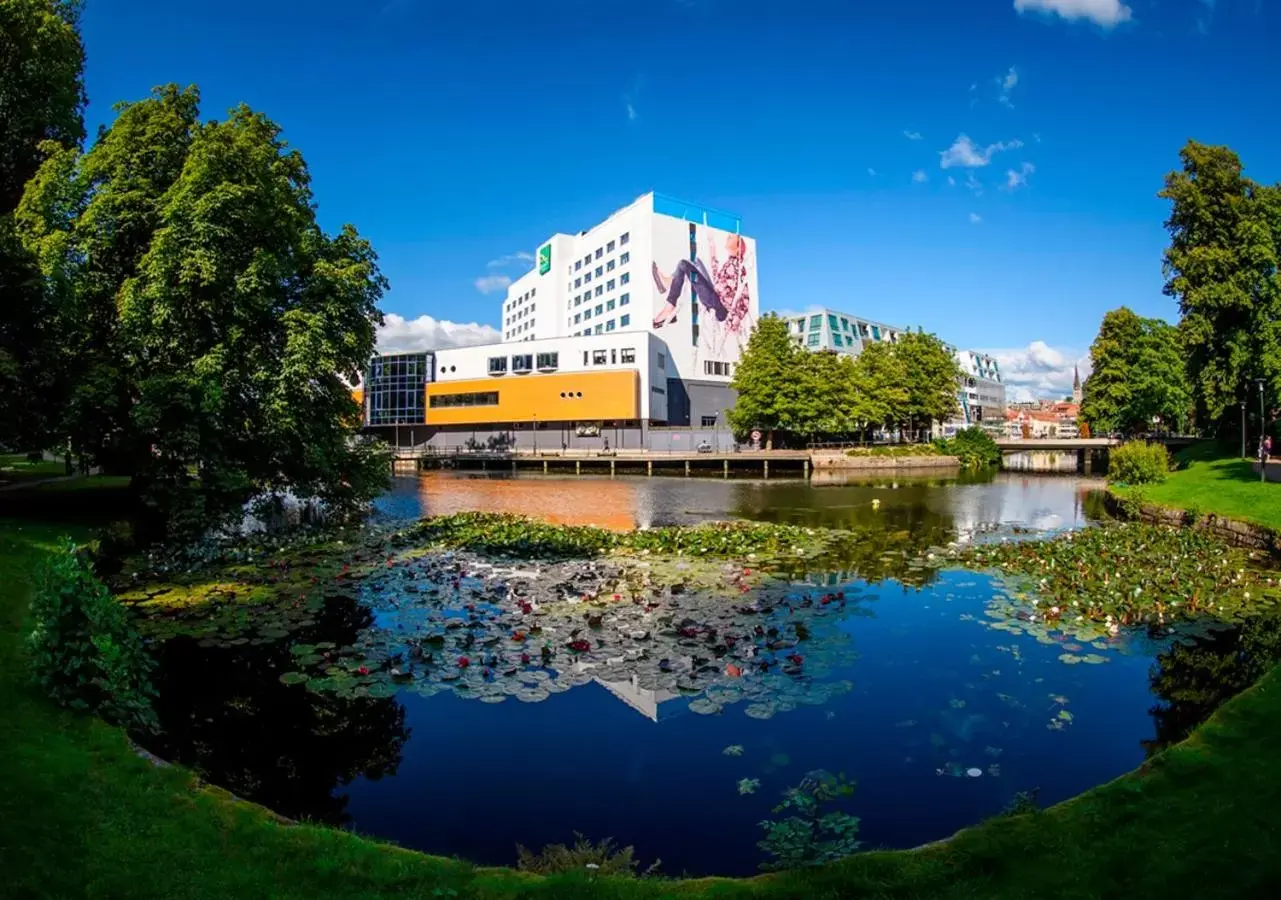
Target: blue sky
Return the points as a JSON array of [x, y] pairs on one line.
[[987, 169]]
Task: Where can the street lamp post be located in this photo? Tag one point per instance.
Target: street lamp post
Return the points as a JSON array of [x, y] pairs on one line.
[[1243, 429], [1263, 434], [535, 434]]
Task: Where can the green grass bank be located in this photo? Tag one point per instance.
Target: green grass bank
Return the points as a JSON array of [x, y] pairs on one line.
[[1209, 482], [82, 815]]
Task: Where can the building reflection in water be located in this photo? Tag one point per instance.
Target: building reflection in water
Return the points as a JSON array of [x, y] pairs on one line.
[[604, 502]]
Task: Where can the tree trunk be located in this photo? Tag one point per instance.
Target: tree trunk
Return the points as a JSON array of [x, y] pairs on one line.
[[769, 439]]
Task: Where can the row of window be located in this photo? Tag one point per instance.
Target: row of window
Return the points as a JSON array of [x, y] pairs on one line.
[[476, 398], [586, 296], [601, 308], [623, 321], [600, 271], [523, 298], [711, 367], [601, 251], [612, 357], [524, 362], [841, 325]]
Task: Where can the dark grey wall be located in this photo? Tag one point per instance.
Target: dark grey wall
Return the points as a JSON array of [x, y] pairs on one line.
[[708, 399]]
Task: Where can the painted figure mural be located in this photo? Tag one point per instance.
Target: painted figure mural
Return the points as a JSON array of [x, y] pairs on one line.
[[722, 291]]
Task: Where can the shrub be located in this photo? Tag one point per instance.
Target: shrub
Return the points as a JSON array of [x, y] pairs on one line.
[[84, 651], [894, 450], [1138, 462], [974, 447], [604, 858]]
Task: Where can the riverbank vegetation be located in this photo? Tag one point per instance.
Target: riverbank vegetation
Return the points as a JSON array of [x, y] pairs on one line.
[[974, 447], [794, 395], [1138, 463], [1212, 479]]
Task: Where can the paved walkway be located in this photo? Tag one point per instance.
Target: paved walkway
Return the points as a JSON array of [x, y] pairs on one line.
[[1274, 470], [18, 485]]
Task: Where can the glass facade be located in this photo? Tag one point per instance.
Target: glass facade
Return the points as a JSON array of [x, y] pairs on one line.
[[395, 389]]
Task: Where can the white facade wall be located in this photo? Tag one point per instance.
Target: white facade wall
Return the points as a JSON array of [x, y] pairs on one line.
[[601, 281]]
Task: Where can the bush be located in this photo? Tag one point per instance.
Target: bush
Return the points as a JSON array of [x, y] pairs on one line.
[[604, 858], [1138, 462], [896, 450], [84, 651], [974, 447]]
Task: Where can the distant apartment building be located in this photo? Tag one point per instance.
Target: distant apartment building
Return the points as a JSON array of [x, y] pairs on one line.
[[980, 398], [637, 321]]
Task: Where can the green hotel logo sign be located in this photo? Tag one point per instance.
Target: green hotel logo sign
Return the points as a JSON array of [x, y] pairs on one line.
[[544, 259]]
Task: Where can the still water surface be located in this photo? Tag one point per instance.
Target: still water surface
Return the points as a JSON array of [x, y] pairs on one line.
[[939, 719]]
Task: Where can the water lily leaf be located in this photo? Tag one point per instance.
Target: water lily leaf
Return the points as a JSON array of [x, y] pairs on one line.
[[293, 678]]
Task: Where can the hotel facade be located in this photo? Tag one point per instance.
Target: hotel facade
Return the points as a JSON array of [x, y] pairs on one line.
[[636, 322]]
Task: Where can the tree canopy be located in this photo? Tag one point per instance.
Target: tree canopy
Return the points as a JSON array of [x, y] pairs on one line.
[[783, 388], [1222, 268], [1138, 374], [206, 317]]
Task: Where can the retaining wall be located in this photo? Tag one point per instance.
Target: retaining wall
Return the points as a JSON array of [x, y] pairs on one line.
[[838, 459], [1233, 531]]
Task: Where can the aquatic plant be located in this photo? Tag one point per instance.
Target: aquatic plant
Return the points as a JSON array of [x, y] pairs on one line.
[[1138, 462], [1125, 574], [748, 785], [603, 858], [83, 650], [809, 835]]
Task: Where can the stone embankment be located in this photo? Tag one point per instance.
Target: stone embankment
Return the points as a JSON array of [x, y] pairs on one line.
[[1233, 531], [839, 459]]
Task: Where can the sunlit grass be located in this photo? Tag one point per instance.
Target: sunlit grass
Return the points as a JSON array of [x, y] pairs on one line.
[[1225, 486]]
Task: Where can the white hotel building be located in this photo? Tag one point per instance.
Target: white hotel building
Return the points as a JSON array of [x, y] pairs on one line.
[[635, 322]]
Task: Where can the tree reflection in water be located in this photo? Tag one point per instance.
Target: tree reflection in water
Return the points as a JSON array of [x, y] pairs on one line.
[[1191, 682], [224, 713]]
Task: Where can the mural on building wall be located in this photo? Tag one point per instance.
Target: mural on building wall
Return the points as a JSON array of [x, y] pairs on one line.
[[706, 280]]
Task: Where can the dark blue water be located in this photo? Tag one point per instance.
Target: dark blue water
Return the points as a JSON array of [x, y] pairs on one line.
[[925, 707], [938, 717]]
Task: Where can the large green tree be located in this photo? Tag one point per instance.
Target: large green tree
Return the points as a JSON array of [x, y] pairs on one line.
[[1138, 374], [880, 387], [932, 379], [42, 95], [1222, 267], [42, 100], [209, 316], [767, 382]]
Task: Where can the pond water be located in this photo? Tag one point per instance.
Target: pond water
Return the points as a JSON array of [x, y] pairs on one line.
[[898, 679]]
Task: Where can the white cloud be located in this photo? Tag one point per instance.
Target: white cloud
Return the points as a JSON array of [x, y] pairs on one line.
[[1104, 13], [951, 182], [966, 154], [912, 135], [975, 218], [920, 177], [1017, 179], [631, 112], [401, 335], [973, 184], [488, 284], [1039, 371], [511, 259], [1006, 84], [871, 171]]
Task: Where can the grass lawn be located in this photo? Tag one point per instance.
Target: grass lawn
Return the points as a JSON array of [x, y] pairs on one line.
[[82, 816], [1212, 483], [14, 467]]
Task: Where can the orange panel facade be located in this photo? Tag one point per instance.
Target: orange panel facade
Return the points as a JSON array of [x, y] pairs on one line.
[[562, 397]]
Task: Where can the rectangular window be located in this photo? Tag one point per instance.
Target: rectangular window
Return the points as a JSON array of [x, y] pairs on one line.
[[662, 361], [624, 258], [613, 356], [845, 324], [609, 266], [587, 277], [709, 421], [533, 292], [599, 357], [624, 278], [549, 361], [587, 260], [609, 248], [655, 389], [628, 355], [609, 285], [816, 322], [600, 270], [479, 398], [578, 282], [836, 339], [876, 333], [584, 354], [812, 341], [497, 365], [600, 289], [609, 326], [609, 304], [600, 308], [711, 367], [624, 238], [831, 323], [578, 317], [624, 321], [587, 313], [599, 329], [522, 362], [599, 252], [624, 299]]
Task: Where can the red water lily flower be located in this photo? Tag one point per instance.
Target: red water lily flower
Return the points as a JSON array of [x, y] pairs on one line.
[[524, 659], [796, 659], [463, 662], [579, 646], [363, 670], [518, 635], [733, 671]]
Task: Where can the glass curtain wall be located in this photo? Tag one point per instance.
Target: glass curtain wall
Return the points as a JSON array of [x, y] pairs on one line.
[[396, 387]]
